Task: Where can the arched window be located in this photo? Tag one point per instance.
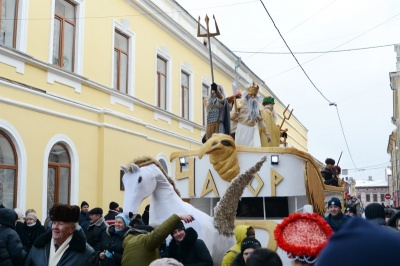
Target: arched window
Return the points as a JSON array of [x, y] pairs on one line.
[[58, 176], [8, 172]]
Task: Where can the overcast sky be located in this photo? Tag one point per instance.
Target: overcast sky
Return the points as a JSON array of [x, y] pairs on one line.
[[357, 79]]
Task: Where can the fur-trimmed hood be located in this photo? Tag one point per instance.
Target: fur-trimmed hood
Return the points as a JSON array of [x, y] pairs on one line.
[[186, 244], [99, 222], [111, 230], [78, 241]]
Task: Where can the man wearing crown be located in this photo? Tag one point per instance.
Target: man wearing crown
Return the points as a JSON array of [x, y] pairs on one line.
[[248, 117]]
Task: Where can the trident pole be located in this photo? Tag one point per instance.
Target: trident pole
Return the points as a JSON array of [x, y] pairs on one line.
[[208, 35]]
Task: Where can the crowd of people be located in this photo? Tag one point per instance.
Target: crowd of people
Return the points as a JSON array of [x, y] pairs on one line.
[[83, 236]]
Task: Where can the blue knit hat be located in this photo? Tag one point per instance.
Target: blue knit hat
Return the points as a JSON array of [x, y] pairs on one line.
[[369, 244], [335, 201], [124, 218]]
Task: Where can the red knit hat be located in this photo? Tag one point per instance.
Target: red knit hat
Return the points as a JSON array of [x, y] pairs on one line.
[[303, 235]]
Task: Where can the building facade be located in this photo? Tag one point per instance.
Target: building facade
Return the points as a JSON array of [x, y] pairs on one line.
[[87, 86], [394, 141], [372, 191]]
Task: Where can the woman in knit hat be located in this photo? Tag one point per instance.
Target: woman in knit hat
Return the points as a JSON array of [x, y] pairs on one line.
[[111, 241], [30, 230], [249, 244]]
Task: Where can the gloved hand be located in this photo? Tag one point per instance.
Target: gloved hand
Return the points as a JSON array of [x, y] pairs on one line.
[[108, 254], [214, 87]]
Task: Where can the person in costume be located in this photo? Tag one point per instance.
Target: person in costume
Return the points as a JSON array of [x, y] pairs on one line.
[[248, 116], [302, 236], [269, 118], [329, 174], [234, 100], [217, 113], [64, 244]]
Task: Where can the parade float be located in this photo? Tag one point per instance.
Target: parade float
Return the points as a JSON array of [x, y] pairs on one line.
[[224, 185]]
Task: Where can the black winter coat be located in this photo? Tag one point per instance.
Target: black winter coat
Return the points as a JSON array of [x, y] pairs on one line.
[[95, 232], [11, 249], [84, 221], [191, 251], [78, 253], [29, 234], [112, 241]]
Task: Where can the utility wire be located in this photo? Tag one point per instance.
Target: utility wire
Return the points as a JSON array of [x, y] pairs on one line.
[[344, 136], [294, 55], [330, 103], [319, 52]]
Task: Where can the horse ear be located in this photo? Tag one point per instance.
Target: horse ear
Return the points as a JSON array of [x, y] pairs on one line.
[[134, 168], [125, 169]]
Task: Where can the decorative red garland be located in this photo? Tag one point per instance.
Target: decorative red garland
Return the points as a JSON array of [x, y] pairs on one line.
[[303, 234]]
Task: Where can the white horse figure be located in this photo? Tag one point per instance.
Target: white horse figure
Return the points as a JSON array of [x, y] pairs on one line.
[[146, 177]]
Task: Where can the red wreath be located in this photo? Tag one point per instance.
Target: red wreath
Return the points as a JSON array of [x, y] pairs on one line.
[[303, 234]]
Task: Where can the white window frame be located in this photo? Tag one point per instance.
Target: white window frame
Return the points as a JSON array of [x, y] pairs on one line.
[[22, 161], [168, 59], [123, 28], [73, 153], [186, 69], [79, 31]]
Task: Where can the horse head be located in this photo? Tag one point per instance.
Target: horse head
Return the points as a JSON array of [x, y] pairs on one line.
[[139, 183]]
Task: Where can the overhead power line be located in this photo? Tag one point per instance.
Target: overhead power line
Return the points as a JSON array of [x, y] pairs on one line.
[[330, 103], [319, 52]]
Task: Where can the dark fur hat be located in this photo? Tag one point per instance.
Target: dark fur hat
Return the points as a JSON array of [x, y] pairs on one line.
[[65, 213]]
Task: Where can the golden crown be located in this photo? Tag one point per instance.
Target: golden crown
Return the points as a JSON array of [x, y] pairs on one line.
[[253, 89]]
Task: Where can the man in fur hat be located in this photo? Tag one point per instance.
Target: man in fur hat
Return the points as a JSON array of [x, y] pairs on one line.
[[248, 116], [269, 118], [63, 245]]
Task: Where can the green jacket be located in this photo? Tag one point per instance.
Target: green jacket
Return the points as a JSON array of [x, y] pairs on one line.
[[240, 234], [141, 249]]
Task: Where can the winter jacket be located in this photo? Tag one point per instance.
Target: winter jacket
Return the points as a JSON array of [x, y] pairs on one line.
[[112, 241], [141, 249], [191, 251], [240, 234], [84, 221], [11, 249], [337, 223], [95, 232], [29, 234], [110, 217], [78, 253]]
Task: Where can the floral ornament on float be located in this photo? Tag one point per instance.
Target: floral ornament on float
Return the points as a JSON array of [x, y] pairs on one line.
[[302, 236]]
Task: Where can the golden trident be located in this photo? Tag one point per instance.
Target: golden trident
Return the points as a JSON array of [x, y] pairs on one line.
[[208, 34]]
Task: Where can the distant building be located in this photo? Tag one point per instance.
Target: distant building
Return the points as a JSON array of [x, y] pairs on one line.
[[372, 191], [393, 143]]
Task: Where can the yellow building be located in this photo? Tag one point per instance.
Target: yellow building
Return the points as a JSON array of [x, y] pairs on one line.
[[87, 86]]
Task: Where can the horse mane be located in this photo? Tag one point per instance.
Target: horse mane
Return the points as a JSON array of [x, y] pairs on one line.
[[147, 160]]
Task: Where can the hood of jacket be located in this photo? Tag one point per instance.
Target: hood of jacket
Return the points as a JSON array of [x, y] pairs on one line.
[[110, 230], [8, 217], [99, 222], [240, 232], [186, 244]]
